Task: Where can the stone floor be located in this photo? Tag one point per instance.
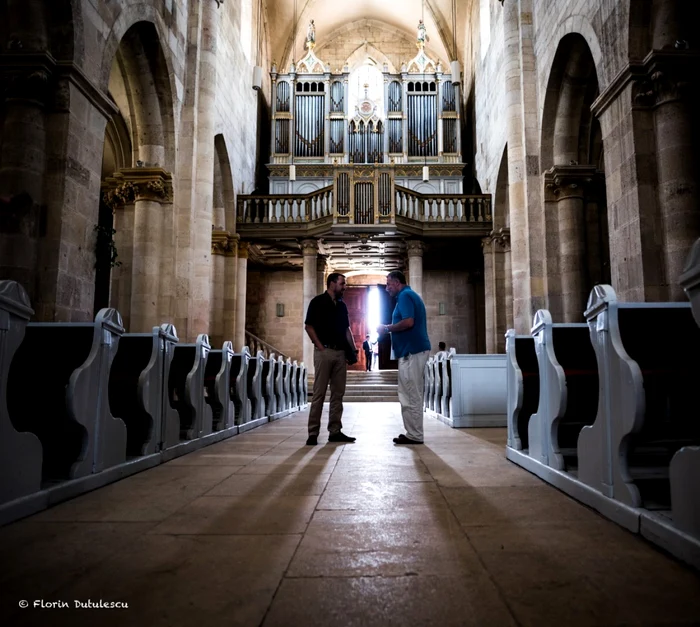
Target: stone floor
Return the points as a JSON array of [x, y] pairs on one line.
[[261, 530]]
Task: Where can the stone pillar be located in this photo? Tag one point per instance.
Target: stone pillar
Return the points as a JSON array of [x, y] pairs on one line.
[[489, 294], [202, 197], [241, 288], [568, 185], [148, 190], [676, 163], [504, 241], [415, 250], [309, 249], [321, 266], [219, 246], [523, 138], [230, 287]]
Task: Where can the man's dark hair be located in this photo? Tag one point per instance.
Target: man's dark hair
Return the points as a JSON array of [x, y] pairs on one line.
[[398, 276], [442, 346], [333, 278]]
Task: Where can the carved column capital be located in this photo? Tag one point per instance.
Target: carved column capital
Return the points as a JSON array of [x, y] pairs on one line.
[[223, 243], [309, 247], [502, 238], [486, 245], [667, 76], [243, 250], [415, 248], [132, 184], [568, 181]]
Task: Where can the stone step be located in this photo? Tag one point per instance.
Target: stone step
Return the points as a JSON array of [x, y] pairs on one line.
[[370, 399]]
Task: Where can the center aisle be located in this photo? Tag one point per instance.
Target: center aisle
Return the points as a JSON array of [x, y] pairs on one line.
[[261, 530]]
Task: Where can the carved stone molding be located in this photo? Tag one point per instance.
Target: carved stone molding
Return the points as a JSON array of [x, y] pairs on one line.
[[243, 250], [486, 245], [568, 181], [223, 243], [415, 248], [132, 184], [309, 247], [502, 238], [662, 86]]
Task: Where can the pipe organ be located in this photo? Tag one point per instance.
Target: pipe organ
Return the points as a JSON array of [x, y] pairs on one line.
[[314, 121]]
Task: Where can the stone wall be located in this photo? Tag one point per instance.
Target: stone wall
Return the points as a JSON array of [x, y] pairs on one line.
[[265, 290]]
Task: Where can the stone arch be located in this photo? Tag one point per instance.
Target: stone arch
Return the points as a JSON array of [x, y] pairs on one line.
[[224, 190], [576, 227], [368, 50], [140, 85]]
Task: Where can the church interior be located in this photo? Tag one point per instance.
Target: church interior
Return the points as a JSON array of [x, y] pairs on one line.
[[178, 179]]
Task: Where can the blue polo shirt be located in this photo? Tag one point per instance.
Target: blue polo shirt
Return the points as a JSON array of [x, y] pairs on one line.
[[414, 340]]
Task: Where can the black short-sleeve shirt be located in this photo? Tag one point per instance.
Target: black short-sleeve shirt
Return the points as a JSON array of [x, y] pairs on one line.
[[329, 319]]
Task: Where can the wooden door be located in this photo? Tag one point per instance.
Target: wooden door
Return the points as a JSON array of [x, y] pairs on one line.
[[356, 301]]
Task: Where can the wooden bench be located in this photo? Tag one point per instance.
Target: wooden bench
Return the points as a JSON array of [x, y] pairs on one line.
[[684, 472], [255, 391], [279, 386], [63, 399], [523, 387], [136, 389], [568, 398], [649, 385], [186, 388], [238, 386], [216, 383], [478, 391], [446, 395], [21, 452]]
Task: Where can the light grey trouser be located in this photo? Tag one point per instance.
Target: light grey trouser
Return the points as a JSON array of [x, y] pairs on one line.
[[329, 366], [411, 386]]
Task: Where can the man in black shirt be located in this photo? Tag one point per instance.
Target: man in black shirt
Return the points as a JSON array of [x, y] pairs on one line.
[[367, 347], [328, 326]]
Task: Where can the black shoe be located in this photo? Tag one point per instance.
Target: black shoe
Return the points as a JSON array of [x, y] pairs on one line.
[[340, 437], [402, 439], [312, 440]]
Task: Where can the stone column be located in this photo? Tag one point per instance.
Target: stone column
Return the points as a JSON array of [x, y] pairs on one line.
[[230, 287], [148, 190], [504, 242], [415, 250], [241, 288], [489, 294], [567, 184], [321, 266], [676, 162], [219, 245], [309, 249]]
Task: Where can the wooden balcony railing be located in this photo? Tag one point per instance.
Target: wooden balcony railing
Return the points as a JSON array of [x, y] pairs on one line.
[[442, 207], [286, 208]]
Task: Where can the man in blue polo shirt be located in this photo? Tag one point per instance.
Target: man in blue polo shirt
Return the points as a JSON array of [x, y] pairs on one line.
[[409, 340]]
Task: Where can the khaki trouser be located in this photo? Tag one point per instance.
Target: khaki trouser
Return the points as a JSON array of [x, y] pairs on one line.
[[411, 386], [330, 366]]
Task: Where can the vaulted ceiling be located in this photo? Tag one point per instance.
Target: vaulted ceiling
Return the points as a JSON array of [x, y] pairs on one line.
[[332, 15]]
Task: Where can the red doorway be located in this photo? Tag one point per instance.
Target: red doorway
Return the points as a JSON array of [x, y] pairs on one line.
[[356, 301]]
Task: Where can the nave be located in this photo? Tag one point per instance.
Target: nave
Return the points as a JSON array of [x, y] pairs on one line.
[[262, 530]]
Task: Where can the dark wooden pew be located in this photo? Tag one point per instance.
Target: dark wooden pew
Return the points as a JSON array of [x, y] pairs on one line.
[[649, 385], [64, 399], [137, 392], [447, 383], [303, 385], [216, 385], [20, 452], [293, 385], [523, 387], [186, 388], [568, 396]]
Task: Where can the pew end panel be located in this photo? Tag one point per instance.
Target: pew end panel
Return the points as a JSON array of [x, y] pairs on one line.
[[221, 385], [685, 490], [21, 452], [255, 386], [479, 391], [88, 389], [553, 393], [170, 416], [690, 279], [195, 390]]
